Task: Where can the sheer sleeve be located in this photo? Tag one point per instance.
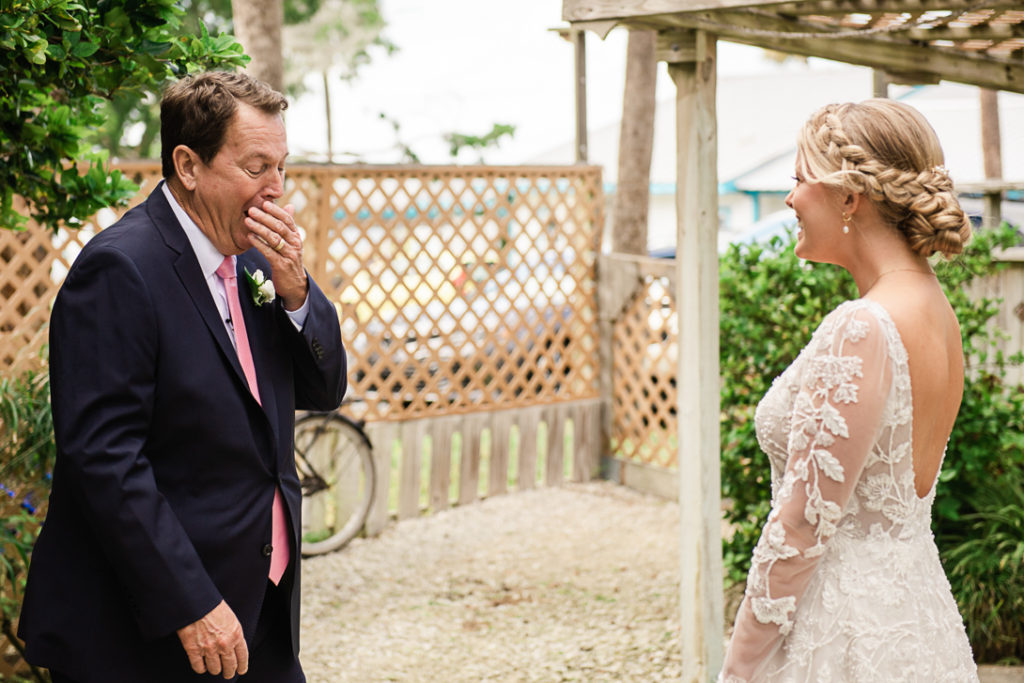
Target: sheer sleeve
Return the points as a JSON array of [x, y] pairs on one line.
[[836, 416]]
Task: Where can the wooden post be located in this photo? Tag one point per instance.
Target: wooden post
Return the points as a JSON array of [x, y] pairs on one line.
[[992, 156], [697, 304], [879, 83], [580, 42]]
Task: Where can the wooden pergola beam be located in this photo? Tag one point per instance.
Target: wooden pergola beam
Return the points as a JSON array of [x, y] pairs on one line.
[[841, 7], [993, 32], [878, 51], [585, 10]]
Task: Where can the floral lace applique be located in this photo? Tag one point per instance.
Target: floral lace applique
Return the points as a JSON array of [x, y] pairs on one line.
[[845, 583]]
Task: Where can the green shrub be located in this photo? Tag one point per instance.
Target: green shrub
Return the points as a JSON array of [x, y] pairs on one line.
[[985, 563], [27, 453], [771, 302]]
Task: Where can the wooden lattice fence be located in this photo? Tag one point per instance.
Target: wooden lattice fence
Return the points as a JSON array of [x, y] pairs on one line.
[[640, 331], [468, 306], [459, 289]]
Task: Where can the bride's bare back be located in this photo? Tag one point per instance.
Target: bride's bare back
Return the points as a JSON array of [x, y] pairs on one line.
[[931, 335]]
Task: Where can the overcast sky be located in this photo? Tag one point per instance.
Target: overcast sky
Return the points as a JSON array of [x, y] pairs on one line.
[[464, 65]]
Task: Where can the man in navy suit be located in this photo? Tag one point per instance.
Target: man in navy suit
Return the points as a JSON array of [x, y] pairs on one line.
[[171, 548]]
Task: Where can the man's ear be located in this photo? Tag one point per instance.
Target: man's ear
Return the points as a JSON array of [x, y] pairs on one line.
[[186, 162]]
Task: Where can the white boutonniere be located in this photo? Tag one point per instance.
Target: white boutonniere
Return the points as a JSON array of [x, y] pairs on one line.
[[261, 288]]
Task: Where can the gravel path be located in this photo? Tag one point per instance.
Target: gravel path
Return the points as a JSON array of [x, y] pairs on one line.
[[579, 583]]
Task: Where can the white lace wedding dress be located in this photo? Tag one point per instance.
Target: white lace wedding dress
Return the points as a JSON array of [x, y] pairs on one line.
[[845, 583]]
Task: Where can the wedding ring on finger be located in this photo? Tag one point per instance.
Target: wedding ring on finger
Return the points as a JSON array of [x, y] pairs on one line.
[[280, 244]]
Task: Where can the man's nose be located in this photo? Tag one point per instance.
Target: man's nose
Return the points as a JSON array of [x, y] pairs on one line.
[[275, 185]]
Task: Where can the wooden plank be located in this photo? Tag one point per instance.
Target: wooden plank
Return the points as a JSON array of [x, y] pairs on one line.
[[841, 7], [660, 11], [409, 483], [1012, 286], [579, 39], [382, 436], [994, 32], [501, 428], [320, 232], [527, 476], [990, 186], [441, 430], [676, 46], [554, 463], [698, 369], [469, 465], [584, 10], [586, 417], [576, 414], [656, 481]]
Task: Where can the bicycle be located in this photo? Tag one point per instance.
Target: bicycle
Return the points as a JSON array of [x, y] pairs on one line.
[[334, 459]]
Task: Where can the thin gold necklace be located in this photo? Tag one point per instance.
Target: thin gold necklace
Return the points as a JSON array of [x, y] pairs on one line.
[[897, 270]]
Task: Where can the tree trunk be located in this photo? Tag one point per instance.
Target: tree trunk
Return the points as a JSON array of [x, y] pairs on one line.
[[258, 28], [636, 140]]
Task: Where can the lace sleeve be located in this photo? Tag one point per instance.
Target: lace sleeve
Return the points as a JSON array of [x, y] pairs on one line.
[[835, 420]]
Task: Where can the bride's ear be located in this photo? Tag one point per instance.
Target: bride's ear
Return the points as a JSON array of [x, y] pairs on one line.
[[850, 202]]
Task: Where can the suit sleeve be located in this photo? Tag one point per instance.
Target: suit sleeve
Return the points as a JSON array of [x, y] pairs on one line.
[[318, 354], [103, 354]]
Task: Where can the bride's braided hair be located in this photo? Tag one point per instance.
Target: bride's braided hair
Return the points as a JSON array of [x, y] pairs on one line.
[[887, 151]]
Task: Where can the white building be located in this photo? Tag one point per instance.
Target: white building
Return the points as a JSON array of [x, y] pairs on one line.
[[759, 117]]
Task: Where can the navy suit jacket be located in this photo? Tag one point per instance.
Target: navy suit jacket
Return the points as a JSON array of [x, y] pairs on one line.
[[166, 465]]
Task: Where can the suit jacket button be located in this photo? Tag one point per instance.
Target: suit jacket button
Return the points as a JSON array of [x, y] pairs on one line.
[[268, 550]]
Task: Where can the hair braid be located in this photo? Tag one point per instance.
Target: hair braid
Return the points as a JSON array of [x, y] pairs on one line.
[[887, 152]]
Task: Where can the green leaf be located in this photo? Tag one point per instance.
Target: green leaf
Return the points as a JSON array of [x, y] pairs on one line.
[[84, 49]]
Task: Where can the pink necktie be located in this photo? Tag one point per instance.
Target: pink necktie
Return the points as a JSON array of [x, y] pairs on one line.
[[280, 554]]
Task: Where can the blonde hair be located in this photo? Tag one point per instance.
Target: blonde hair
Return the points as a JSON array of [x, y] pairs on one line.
[[887, 151]]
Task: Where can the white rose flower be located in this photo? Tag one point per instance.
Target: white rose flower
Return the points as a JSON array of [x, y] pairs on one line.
[[262, 289], [266, 290]]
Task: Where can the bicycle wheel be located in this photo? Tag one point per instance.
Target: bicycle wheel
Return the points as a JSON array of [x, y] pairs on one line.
[[335, 464]]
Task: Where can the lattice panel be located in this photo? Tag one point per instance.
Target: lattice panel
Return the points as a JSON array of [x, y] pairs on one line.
[[465, 290], [459, 289], [644, 390], [33, 264]]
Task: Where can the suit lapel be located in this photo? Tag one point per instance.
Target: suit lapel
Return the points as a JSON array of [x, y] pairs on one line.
[[187, 268]]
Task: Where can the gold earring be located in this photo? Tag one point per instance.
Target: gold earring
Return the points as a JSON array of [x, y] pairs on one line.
[[846, 223]]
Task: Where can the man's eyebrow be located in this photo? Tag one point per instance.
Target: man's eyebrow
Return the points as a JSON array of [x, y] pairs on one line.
[[263, 156]]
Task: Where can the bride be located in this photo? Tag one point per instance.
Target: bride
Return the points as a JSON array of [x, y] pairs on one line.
[[845, 582]]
